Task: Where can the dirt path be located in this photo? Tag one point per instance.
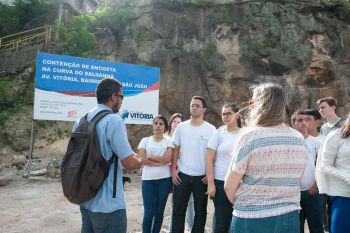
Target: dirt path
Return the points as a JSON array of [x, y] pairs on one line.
[[38, 205]]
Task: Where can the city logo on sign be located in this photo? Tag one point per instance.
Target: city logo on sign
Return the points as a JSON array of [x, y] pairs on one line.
[[136, 115]]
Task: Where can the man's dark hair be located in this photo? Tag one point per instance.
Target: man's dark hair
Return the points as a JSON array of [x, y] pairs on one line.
[[329, 100], [106, 88], [204, 102], [314, 112], [296, 113]]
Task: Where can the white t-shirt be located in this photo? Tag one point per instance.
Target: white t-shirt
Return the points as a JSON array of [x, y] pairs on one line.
[[321, 137], [193, 141], [308, 179], [168, 137], [155, 148], [222, 142]]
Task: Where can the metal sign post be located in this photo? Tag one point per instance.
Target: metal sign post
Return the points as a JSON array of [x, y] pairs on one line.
[[31, 147]]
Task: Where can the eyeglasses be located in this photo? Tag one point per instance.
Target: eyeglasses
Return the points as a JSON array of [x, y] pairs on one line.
[[227, 113], [120, 96]]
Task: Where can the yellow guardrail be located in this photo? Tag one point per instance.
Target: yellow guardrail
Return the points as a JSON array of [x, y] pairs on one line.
[[26, 38]]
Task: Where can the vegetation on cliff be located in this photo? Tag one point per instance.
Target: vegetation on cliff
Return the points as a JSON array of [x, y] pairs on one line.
[[214, 48], [78, 33], [14, 18]]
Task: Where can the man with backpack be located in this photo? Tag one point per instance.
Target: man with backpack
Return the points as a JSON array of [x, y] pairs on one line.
[[103, 213]]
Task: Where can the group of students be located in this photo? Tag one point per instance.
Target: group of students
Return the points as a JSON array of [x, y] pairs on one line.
[[261, 178]]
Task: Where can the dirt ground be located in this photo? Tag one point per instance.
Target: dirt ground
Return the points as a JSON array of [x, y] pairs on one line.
[[38, 205]]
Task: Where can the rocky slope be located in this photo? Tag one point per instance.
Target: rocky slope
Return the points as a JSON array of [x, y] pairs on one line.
[[220, 48]]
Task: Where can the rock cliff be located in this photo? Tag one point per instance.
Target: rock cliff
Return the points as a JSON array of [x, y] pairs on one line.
[[221, 48]]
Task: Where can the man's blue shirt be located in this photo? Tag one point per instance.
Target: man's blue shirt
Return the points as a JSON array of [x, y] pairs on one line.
[[112, 137]]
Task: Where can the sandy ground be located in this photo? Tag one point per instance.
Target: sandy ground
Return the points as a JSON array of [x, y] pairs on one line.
[[38, 205]]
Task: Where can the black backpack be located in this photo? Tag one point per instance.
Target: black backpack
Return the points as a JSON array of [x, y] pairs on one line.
[[83, 168]]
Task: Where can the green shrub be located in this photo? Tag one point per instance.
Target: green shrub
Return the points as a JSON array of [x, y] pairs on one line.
[[76, 35], [15, 17], [11, 104]]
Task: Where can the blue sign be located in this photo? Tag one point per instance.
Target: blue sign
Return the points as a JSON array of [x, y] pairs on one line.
[[61, 78]]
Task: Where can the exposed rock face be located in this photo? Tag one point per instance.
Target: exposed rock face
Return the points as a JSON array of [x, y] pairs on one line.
[[219, 49], [82, 6]]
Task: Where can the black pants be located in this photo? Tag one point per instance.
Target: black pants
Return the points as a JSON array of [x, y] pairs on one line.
[[311, 210], [181, 195], [223, 209], [326, 213]]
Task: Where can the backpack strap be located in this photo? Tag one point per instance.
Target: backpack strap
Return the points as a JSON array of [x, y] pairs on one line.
[[100, 115], [115, 175], [83, 119], [114, 157]]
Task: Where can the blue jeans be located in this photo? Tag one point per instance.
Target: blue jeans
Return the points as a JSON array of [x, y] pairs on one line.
[[311, 210], [181, 195], [223, 209], [114, 222], [340, 212], [154, 194], [285, 223]]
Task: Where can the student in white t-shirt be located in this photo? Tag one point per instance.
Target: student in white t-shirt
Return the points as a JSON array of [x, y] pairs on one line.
[[327, 108], [314, 123], [219, 156], [156, 154], [174, 120], [190, 139], [310, 199]]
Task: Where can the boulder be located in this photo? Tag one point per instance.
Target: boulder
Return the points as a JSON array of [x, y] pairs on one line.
[[19, 161]]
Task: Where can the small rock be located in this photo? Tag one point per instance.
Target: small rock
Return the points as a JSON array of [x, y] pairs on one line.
[[53, 172], [4, 182], [4, 152], [54, 163], [40, 172], [19, 161]]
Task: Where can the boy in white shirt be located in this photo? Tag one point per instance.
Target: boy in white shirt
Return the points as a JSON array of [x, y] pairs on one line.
[[190, 139], [310, 199]]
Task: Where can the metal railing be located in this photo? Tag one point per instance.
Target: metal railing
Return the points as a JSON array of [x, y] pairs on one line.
[[26, 38]]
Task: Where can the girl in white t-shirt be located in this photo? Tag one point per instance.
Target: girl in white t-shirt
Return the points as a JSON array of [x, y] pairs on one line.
[[219, 156], [156, 153]]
